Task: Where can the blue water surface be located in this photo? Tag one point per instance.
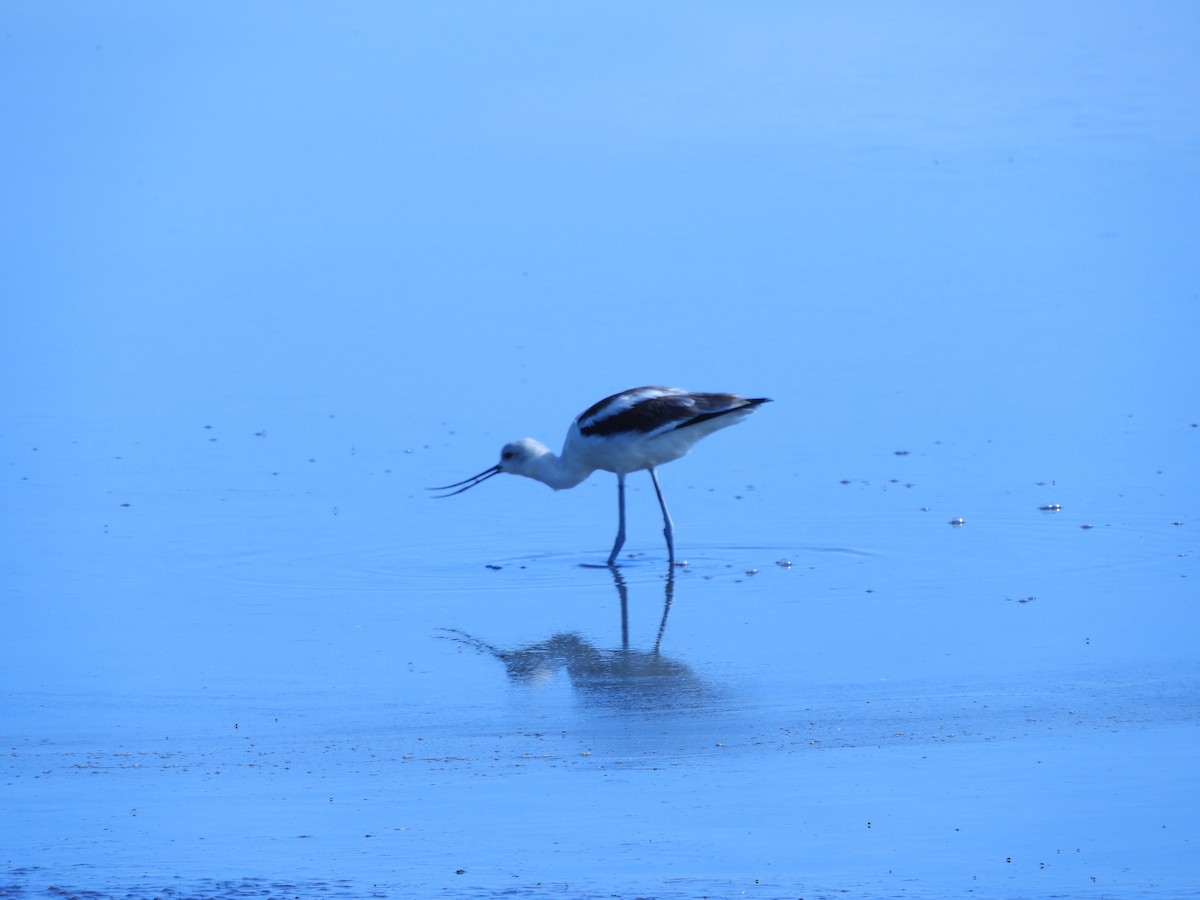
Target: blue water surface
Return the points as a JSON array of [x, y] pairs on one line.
[[271, 271]]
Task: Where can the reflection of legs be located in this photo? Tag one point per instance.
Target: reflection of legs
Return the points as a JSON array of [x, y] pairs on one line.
[[623, 593], [668, 596], [620, 542], [668, 528]]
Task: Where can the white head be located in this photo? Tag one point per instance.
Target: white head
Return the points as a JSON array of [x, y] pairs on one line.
[[521, 457]]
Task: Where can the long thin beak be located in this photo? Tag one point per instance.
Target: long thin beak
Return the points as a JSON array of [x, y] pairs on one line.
[[466, 483]]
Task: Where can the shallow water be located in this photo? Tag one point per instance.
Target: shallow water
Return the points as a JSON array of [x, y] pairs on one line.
[[935, 631]]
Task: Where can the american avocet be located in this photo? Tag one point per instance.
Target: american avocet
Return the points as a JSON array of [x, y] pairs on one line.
[[636, 429]]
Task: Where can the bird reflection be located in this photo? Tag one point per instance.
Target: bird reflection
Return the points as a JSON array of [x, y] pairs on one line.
[[624, 676]]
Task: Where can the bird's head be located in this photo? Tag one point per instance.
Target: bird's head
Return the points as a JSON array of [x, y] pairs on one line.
[[518, 457]]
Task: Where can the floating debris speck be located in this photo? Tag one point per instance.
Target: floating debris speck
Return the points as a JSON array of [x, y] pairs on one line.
[[1051, 507], [957, 523]]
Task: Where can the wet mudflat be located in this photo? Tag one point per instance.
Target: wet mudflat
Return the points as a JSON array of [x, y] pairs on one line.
[[935, 631], [1010, 709]]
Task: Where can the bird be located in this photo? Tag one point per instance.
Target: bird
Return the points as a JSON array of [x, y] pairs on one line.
[[641, 428]]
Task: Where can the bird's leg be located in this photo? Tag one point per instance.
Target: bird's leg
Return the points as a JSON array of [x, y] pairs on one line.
[[668, 528], [620, 541]]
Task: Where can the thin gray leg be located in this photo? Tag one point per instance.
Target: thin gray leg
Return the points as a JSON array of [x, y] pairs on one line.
[[620, 542], [668, 528]]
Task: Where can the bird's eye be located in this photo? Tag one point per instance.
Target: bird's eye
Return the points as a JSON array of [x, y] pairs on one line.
[[507, 454]]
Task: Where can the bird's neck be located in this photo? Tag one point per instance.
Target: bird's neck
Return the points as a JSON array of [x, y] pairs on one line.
[[559, 472]]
